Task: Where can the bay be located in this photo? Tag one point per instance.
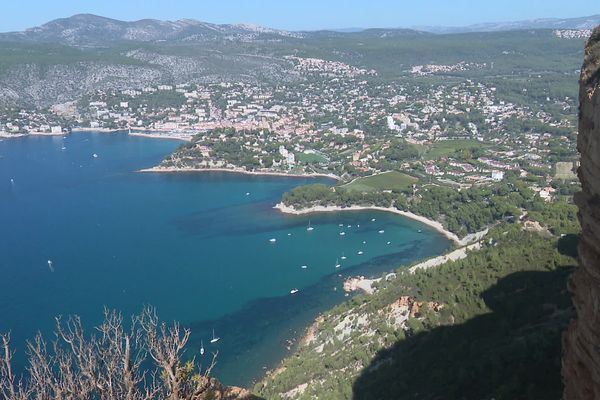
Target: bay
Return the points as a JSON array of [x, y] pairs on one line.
[[197, 246]]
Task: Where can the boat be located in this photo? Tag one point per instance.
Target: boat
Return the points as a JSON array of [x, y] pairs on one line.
[[247, 193], [63, 148], [364, 242], [337, 263], [294, 291], [309, 228], [51, 265], [342, 233], [272, 240], [95, 155], [349, 226], [343, 257], [201, 348], [360, 253], [341, 225], [420, 231], [381, 231], [289, 234], [373, 220], [389, 243], [214, 339], [304, 266]]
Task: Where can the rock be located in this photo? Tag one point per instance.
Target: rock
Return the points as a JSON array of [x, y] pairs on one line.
[[581, 341]]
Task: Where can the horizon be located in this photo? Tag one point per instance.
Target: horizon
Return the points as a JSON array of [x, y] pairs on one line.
[[334, 15]]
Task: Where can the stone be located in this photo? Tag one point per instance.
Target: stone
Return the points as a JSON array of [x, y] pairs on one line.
[[581, 341]]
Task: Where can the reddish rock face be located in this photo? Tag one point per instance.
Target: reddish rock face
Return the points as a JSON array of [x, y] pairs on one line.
[[581, 342]]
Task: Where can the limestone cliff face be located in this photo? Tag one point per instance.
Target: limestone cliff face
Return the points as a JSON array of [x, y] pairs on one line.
[[581, 360]]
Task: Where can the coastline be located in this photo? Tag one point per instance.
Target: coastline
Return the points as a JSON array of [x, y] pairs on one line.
[[147, 133], [236, 171], [426, 221]]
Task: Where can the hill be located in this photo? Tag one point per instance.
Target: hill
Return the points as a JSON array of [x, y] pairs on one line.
[[486, 326]]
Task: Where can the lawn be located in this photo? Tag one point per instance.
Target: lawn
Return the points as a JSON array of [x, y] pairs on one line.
[[448, 147], [564, 170], [313, 158], [392, 180]]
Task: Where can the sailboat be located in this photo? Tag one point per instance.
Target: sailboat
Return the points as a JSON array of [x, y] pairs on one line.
[[337, 263], [214, 339], [310, 228], [201, 348]]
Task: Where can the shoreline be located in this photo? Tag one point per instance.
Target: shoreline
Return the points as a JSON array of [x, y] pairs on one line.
[[236, 171], [147, 133], [426, 221]]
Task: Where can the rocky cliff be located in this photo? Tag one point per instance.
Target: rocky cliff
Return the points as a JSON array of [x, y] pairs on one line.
[[581, 361]]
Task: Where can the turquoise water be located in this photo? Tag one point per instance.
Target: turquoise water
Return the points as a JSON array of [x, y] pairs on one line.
[[195, 245]]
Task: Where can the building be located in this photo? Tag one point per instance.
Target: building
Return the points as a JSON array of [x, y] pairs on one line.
[[497, 175]]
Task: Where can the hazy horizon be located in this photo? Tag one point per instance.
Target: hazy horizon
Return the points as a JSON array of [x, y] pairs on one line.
[[306, 16]]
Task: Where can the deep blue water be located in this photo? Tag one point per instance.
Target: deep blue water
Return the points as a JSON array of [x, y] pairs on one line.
[[194, 245]]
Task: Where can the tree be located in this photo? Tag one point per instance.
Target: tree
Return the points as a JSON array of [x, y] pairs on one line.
[[143, 362]]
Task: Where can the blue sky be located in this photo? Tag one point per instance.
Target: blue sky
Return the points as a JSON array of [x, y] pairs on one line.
[[299, 14]]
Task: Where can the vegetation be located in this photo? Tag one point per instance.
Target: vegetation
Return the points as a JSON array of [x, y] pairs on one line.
[[495, 331], [392, 180], [456, 148], [143, 362], [462, 212]]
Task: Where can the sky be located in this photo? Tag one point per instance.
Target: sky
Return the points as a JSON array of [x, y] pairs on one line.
[[299, 14]]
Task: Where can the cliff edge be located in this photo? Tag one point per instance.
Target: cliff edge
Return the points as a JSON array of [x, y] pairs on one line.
[[581, 359]]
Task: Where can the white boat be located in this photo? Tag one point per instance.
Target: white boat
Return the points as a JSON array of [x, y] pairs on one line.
[[51, 265], [247, 193], [340, 225], [364, 242], [294, 291], [337, 263], [343, 257], [201, 348], [389, 243], [272, 240], [304, 266], [372, 219], [12, 180], [349, 226], [215, 339], [360, 253], [420, 231], [95, 155], [381, 231], [342, 233], [309, 228], [289, 234], [63, 148]]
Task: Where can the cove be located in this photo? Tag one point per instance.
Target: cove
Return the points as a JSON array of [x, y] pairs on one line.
[[197, 246]]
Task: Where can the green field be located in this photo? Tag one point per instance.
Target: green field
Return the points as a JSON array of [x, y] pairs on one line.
[[448, 147], [392, 180], [564, 170], [314, 158]]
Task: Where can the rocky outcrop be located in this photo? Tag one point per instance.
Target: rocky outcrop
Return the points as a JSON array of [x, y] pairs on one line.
[[219, 391], [581, 359]]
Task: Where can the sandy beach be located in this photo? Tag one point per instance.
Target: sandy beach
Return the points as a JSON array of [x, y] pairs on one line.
[[237, 171], [315, 209]]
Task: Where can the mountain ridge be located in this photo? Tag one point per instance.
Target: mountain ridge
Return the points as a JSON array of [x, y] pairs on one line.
[[94, 30]]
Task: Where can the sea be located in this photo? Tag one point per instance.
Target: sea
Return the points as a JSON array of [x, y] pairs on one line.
[[81, 230]]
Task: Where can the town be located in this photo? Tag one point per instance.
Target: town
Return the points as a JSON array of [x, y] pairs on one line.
[[338, 120]]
